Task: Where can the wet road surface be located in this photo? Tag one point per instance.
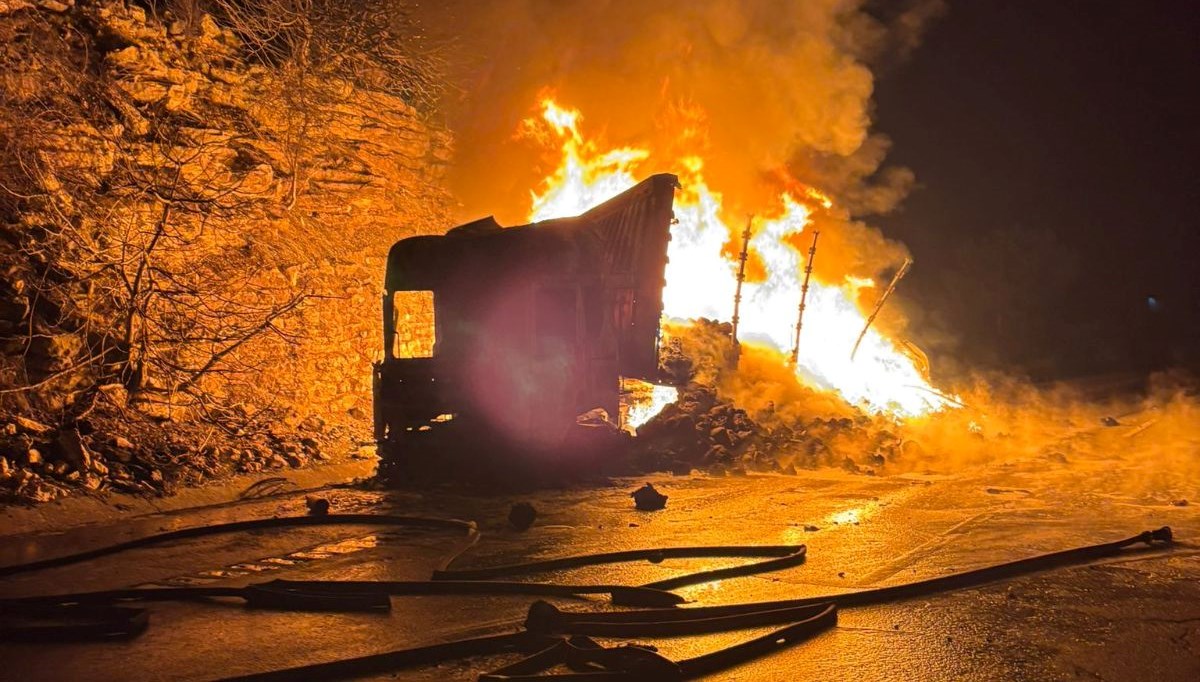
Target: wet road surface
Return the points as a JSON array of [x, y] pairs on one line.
[[1128, 618]]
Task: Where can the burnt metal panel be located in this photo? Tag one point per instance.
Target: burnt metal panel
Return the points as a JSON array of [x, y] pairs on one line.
[[634, 229]]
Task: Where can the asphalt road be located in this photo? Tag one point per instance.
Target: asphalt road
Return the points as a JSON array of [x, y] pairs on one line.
[[1129, 618]]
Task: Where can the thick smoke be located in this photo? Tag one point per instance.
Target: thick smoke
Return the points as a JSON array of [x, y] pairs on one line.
[[1137, 445], [755, 85]]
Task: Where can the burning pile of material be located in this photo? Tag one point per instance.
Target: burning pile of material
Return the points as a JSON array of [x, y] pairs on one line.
[[714, 427]]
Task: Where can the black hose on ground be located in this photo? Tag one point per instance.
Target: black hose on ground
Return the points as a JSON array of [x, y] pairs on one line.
[[324, 594], [548, 619], [545, 619], [469, 527], [723, 659], [653, 555], [619, 594], [797, 557], [1011, 569], [262, 595], [782, 556], [78, 622], [336, 595], [97, 615], [389, 661], [671, 622]]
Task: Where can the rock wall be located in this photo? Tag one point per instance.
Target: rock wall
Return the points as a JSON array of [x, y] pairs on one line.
[[321, 190]]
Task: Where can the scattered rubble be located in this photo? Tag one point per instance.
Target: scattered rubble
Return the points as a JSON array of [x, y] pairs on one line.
[[73, 450], [123, 450], [522, 515], [317, 506], [704, 429], [30, 426], [647, 498]]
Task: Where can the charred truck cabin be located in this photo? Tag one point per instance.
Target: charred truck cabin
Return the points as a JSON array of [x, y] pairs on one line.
[[500, 338]]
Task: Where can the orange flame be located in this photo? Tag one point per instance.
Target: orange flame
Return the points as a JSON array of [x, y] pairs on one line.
[[701, 281]]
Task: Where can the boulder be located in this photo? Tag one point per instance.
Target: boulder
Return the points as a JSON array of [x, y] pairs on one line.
[[49, 352], [73, 450], [31, 426], [58, 6], [115, 394], [522, 515]]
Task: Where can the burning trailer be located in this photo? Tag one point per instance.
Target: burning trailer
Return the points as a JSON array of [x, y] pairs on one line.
[[497, 340]]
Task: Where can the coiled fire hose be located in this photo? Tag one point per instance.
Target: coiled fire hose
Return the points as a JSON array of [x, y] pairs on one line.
[[545, 625]]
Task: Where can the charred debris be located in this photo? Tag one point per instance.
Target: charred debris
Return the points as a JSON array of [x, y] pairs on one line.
[[705, 429]]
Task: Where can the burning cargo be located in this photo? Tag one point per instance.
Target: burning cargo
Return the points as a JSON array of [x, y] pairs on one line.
[[500, 338]]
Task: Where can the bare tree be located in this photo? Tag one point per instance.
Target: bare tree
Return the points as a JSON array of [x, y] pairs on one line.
[[374, 44]]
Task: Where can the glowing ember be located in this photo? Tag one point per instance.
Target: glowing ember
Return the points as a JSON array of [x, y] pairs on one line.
[[701, 280]]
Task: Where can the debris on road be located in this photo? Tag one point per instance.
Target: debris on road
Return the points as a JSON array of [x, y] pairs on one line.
[[317, 506], [522, 515], [647, 498]]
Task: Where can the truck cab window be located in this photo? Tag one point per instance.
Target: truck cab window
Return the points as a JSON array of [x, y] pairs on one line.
[[413, 317]]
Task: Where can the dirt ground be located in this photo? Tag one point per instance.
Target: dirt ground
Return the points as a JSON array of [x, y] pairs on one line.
[[1128, 618]]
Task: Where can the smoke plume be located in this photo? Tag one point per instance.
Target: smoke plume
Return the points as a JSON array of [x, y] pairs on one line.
[[757, 85]]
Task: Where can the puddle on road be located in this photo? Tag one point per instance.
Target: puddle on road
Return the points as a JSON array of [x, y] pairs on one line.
[[854, 515], [299, 557]]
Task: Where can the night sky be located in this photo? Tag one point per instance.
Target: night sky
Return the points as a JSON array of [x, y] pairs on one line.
[[1056, 148]]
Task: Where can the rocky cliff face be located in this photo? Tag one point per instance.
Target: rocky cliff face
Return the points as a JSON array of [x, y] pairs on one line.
[[189, 235]]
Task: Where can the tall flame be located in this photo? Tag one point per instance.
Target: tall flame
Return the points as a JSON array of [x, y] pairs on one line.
[[701, 281]]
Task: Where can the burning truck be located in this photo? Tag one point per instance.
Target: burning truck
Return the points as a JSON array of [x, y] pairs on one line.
[[501, 338]]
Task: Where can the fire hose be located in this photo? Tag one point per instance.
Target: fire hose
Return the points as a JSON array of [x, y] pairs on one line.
[[786, 556], [472, 535], [628, 663], [100, 615], [807, 617], [545, 625], [633, 662]]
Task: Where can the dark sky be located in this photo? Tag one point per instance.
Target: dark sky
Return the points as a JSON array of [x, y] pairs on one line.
[[1056, 146]]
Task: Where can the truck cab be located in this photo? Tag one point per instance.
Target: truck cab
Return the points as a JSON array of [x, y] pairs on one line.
[[506, 335]]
